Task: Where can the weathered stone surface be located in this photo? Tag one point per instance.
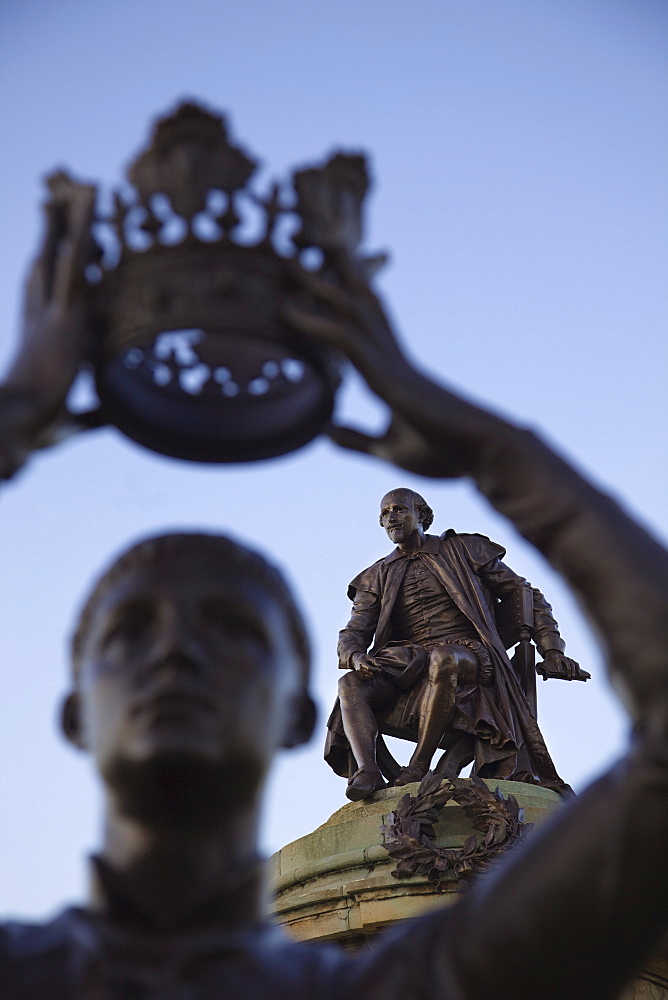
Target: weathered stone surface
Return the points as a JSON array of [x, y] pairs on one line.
[[336, 883]]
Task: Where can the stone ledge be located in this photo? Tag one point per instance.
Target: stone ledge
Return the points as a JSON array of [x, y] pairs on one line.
[[337, 882]]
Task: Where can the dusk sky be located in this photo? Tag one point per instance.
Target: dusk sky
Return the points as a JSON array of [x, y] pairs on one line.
[[519, 155]]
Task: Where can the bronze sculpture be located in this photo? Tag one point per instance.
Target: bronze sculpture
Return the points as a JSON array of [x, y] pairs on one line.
[[190, 354], [428, 607], [177, 909]]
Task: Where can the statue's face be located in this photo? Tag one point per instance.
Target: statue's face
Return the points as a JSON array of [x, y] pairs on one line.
[[399, 516], [179, 664]]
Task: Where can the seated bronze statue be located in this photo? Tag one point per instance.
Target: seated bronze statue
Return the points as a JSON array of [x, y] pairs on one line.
[[190, 673], [438, 665]]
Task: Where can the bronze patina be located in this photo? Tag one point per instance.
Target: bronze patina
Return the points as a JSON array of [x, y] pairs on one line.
[[186, 279], [190, 673], [437, 665]]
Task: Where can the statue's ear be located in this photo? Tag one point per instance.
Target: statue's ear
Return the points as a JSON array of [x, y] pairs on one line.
[[302, 724], [70, 720]]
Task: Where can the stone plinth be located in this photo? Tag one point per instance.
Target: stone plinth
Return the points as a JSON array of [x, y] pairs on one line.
[[336, 883]]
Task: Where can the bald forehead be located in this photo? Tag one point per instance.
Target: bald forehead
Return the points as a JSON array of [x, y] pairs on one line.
[[398, 496]]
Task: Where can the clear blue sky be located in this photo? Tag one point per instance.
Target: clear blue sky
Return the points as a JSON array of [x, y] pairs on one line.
[[519, 155]]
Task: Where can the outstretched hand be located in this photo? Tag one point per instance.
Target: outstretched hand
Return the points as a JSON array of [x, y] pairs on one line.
[[560, 667], [54, 324], [432, 432]]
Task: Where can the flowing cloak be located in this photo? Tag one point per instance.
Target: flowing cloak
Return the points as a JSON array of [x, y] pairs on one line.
[[507, 740]]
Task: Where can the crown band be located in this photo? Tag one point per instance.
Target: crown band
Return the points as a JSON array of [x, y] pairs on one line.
[[191, 356]]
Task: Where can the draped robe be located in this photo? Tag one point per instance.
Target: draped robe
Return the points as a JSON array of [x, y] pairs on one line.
[[507, 740]]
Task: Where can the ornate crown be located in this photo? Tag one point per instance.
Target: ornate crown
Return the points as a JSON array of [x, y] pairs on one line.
[[191, 356]]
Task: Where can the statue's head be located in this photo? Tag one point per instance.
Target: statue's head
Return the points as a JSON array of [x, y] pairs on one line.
[[191, 662], [404, 511]]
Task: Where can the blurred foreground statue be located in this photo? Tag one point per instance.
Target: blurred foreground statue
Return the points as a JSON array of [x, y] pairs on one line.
[[438, 671], [190, 673], [182, 282]]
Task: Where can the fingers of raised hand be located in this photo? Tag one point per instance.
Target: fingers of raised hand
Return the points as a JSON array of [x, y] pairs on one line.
[[348, 437], [67, 245], [12, 458], [404, 447], [16, 413], [386, 446], [334, 332], [353, 271], [351, 302], [74, 249], [324, 291]]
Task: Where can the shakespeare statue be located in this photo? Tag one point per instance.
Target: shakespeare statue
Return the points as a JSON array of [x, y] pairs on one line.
[[429, 610], [190, 673]]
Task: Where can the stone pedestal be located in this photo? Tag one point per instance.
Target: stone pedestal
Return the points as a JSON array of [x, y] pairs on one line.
[[335, 884]]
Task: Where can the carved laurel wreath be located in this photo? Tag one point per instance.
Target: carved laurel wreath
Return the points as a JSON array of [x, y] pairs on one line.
[[409, 831]]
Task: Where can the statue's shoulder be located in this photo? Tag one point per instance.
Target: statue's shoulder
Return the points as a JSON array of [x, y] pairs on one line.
[[36, 953], [480, 548], [27, 938], [368, 579]]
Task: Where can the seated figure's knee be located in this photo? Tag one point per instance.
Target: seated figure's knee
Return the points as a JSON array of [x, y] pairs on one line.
[[443, 664], [349, 683]]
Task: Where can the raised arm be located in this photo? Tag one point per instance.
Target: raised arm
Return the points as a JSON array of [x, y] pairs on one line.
[[577, 911], [32, 396]]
